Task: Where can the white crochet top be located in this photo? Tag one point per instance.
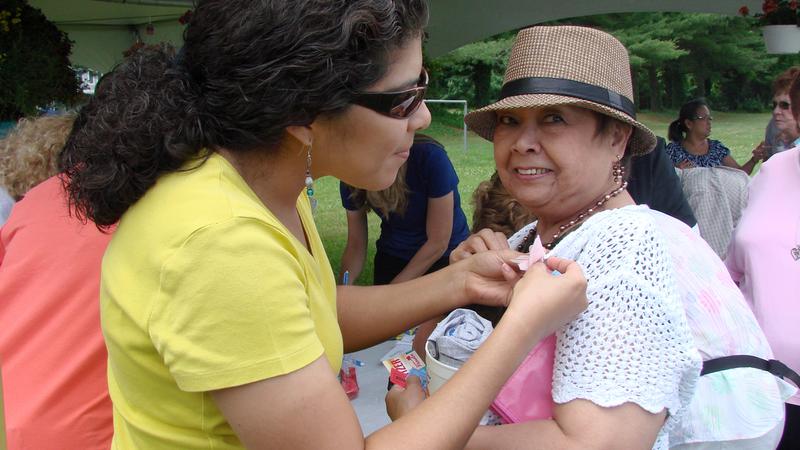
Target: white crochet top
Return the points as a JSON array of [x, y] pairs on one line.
[[633, 343], [657, 293]]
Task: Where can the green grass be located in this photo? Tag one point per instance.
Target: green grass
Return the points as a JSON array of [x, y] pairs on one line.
[[740, 132]]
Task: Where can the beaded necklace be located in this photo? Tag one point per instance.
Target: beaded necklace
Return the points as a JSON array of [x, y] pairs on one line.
[[569, 226]]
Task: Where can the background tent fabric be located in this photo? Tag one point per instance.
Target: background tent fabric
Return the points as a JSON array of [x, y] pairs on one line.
[[103, 29], [454, 23]]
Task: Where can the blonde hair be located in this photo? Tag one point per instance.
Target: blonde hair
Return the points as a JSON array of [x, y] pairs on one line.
[[29, 154], [496, 209], [393, 199]]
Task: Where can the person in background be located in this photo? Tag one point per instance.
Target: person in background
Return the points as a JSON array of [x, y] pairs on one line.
[[52, 353], [421, 222], [421, 218], [28, 156], [783, 131], [690, 146], [6, 203], [764, 259], [652, 181], [495, 209], [223, 322]]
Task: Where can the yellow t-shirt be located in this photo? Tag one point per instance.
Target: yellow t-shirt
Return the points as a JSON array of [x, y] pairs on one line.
[[202, 289]]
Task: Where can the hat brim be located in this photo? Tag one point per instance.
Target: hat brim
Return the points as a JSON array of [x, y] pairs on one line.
[[482, 121]]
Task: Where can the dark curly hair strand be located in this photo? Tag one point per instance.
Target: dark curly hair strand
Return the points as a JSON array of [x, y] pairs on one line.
[[248, 69]]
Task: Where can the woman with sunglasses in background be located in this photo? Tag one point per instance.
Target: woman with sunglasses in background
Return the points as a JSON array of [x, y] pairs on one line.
[[764, 259], [783, 131], [690, 146], [219, 308]]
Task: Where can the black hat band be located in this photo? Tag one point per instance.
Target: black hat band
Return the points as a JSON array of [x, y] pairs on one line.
[[569, 88]]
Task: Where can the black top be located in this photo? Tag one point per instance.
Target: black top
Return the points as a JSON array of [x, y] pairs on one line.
[[653, 182]]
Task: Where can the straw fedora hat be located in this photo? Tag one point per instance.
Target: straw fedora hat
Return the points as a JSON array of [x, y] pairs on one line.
[[567, 65]]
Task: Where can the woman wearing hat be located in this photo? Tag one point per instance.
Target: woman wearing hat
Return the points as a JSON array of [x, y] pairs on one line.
[[626, 371]]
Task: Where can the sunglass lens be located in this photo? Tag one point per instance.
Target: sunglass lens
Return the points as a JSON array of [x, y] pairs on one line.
[[407, 103], [783, 105]]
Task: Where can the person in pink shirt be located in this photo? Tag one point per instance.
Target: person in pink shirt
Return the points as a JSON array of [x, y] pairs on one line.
[[764, 258], [52, 354]]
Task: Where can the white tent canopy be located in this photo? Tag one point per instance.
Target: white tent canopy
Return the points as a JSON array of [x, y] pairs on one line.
[[455, 23], [103, 29]]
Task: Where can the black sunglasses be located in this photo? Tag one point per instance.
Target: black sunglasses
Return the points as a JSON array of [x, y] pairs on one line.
[[784, 105], [397, 104]]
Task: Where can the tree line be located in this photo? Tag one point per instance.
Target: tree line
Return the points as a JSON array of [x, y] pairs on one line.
[[674, 57]]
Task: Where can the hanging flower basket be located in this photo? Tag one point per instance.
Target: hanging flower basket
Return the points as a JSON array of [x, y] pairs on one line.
[[782, 39], [780, 23]]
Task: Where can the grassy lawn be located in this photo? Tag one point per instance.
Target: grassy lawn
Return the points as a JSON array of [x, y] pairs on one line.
[[739, 132]]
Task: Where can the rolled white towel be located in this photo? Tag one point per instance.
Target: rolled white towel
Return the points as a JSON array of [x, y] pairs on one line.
[[457, 337]]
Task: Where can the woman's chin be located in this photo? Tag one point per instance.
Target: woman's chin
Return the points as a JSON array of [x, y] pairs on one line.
[[380, 181]]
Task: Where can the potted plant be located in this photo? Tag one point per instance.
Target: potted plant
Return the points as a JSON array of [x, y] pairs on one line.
[[780, 24]]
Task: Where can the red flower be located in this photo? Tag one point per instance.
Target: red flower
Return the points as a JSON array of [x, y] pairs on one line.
[[744, 11], [793, 5], [770, 6]]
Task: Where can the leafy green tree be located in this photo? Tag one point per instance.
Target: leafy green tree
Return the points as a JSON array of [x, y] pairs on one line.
[[648, 47], [687, 55], [473, 72], [34, 61], [674, 57]]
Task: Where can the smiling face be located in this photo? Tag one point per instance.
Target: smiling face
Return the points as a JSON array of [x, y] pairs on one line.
[[554, 160], [364, 148]]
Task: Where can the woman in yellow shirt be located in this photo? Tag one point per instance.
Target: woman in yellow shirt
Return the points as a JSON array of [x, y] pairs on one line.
[[220, 312]]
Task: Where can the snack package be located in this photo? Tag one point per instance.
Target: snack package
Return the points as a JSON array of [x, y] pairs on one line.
[[348, 378], [405, 364]]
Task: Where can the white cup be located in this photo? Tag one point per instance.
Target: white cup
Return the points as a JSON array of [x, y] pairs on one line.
[[438, 372]]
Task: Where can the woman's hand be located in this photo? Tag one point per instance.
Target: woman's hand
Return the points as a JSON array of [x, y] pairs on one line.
[[399, 400], [481, 241], [760, 152], [685, 164], [547, 299], [487, 277]]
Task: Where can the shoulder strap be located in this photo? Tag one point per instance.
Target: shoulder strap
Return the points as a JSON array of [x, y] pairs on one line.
[[772, 366]]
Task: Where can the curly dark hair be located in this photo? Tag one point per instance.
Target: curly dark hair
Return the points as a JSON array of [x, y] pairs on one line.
[[496, 209], [248, 69]]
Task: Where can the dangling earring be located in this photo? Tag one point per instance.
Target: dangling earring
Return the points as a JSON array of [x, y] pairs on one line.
[[617, 171], [310, 181]]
